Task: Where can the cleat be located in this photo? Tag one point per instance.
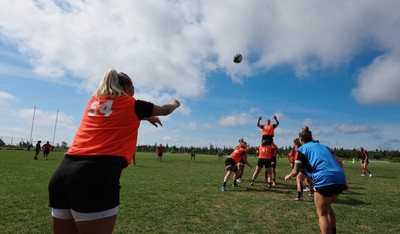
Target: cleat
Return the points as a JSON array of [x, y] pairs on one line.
[[362, 174], [252, 183], [223, 189], [370, 175]]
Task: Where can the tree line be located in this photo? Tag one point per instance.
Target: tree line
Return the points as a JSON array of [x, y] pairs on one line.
[[391, 155]]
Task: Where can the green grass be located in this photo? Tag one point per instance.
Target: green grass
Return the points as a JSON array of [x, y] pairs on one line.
[[179, 196]]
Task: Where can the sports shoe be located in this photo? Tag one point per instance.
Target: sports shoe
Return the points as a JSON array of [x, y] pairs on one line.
[[362, 174], [239, 180], [306, 189], [223, 189], [252, 183], [370, 175], [298, 199]]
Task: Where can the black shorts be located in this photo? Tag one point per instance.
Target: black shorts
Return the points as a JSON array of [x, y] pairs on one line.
[[46, 151], [86, 184], [330, 190], [231, 165], [269, 138], [362, 161], [263, 162]]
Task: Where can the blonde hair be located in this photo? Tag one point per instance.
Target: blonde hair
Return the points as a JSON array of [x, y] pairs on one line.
[[112, 84]]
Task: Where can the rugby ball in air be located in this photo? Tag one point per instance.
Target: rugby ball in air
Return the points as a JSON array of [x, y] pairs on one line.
[[237, 58]]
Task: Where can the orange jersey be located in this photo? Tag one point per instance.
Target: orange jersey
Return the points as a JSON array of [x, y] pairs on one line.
[[109, 127], [264, 151], [238, 154], [268, 129], [291, 157], [239, 146], [296, 155]]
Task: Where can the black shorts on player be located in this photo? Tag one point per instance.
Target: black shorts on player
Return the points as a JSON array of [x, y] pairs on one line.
[[330, 190], [86, 184], [263, 162], [231, 165]]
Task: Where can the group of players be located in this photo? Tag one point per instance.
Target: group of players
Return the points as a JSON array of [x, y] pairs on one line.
[[267, 153], [312, 161]]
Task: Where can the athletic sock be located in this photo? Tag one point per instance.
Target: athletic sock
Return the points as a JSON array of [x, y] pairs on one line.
[[224, 184], [299, 195]]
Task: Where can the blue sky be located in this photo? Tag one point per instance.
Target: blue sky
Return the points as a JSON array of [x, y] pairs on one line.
[[331, 65]]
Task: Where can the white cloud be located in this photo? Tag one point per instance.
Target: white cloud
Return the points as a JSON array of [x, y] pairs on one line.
[[4, 97], [236, 120], [170, 46], [351, 129], [310, 122], [192, 125], [379, 82]]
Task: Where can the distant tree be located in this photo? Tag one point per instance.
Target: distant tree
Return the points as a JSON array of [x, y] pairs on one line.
[[2, 142], [64, 144]]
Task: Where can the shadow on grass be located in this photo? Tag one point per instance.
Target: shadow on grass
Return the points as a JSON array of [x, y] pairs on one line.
[[385, 177], [280, 188], [350, 201]]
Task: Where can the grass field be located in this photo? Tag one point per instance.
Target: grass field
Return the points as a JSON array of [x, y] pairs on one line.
[[180, 196]]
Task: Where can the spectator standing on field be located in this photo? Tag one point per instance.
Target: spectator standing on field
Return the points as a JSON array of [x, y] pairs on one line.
[[268, 129], [220, 154], [46, 150], [192, 155], [364, 162], [160, 152], [84, 191], [37, 150]]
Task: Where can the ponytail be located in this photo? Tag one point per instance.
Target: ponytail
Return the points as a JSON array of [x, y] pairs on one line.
[[305, 134], [113, 83]]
